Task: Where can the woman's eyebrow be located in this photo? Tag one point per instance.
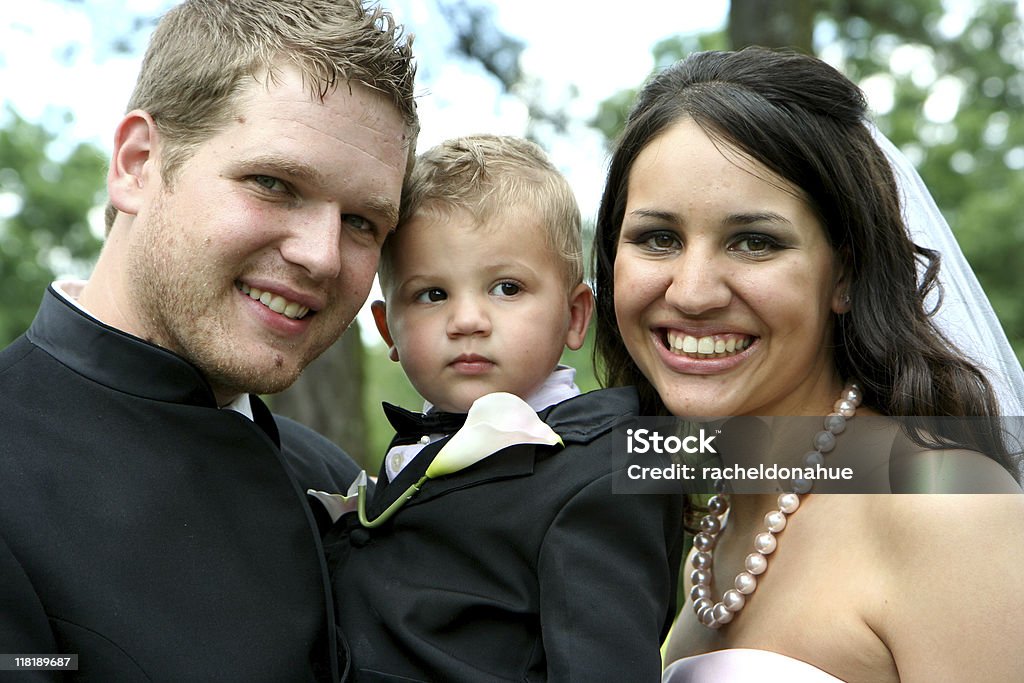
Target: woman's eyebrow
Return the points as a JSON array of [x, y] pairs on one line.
[[751, 217], [656, 214]]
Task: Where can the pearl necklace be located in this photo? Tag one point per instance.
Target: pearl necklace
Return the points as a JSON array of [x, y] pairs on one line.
[[716, 614]]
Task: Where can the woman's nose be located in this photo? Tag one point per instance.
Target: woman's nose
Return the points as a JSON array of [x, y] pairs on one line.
[[699, 283]]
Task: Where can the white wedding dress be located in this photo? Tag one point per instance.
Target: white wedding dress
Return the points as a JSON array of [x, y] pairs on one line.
[[739, 664]]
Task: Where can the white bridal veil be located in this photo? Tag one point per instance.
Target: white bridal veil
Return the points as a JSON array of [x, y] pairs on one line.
[[965, 316]]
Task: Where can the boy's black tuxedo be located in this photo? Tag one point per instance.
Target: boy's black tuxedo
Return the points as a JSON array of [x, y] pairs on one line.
[[143, 529], [521, 567]]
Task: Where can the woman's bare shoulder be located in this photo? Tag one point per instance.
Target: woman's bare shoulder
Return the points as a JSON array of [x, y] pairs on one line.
[[916, 469]]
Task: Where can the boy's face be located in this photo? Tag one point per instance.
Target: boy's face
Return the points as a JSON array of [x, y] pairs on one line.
[[473, 310]]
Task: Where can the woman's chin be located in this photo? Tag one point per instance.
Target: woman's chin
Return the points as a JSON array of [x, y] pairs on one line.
[[699, 401]]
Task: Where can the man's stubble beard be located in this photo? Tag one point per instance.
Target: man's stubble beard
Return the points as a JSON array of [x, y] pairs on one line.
[[185, 307]]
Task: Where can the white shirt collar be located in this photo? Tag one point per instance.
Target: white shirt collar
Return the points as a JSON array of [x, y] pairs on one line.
[[557, 387], [71, 290], [241, 404]]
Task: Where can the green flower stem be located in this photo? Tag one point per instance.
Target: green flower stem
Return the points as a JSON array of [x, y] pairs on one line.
[[386, 515]]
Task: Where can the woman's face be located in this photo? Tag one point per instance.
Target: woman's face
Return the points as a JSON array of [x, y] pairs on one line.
[[725, 283]]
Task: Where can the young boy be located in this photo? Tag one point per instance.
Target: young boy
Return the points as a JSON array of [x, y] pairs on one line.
[[523, 566]]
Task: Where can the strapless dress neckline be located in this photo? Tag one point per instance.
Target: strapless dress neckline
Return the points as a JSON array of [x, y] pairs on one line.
[[742, 664]]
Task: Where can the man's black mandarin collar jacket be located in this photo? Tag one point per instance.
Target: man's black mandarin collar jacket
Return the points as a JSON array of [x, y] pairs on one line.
[[145, 530]]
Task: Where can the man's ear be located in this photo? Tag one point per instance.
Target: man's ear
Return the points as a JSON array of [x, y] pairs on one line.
[[581, 308], [133, 163], [380, 319]]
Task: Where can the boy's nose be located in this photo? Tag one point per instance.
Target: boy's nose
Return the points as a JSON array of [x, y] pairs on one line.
[[468, 317]]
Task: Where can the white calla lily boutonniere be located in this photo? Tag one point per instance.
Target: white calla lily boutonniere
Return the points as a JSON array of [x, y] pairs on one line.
[[495, 421], [337, 504]]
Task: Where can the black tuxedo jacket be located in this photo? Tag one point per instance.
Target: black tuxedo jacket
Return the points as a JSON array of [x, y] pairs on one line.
[[521, 567], [148, 532]]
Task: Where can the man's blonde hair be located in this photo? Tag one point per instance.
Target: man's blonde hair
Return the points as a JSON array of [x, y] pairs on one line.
[[203, 53], [492, 175]]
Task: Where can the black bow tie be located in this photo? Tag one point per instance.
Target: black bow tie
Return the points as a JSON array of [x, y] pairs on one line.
[[410, 427]]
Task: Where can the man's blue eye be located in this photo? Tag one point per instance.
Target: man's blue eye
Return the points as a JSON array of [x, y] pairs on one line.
[[269, 182], [357, 222]]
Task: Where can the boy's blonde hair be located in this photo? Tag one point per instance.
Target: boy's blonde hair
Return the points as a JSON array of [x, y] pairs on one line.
[[490, 175], [203, 52]]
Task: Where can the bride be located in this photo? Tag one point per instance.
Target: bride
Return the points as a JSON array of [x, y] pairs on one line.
[[752, 259]]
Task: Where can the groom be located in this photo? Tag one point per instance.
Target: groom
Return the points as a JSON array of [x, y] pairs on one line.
[[153, 519]]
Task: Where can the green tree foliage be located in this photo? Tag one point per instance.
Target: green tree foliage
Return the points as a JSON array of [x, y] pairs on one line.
[[44, 207], [912, 57], [973, 156]]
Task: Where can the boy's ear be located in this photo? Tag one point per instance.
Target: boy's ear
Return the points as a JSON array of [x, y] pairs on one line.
[[135, 143], [380, 319], [581, 307]]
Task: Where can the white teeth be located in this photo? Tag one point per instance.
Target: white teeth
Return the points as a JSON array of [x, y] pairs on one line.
[[705, 346], [275, 302]]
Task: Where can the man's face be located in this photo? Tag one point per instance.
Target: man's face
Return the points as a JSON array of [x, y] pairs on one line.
[[263, 248]]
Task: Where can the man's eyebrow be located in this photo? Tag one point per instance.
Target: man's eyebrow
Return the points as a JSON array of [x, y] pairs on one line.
[[385, 207], [290, 167]]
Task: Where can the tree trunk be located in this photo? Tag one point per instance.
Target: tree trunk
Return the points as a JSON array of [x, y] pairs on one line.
[[772, 23], [328, 396]]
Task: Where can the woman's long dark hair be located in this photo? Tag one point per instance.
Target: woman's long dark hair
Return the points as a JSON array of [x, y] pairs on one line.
[[805, 121]]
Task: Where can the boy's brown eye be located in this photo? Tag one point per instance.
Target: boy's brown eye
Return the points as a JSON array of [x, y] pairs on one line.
[[506, 289], [432, 295]]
